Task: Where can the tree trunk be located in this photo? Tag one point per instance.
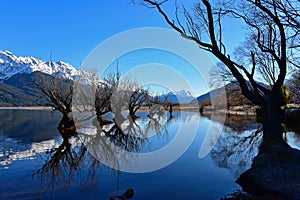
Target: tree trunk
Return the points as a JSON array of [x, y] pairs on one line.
[[103, 121], [171, 111], [275, 169], [131, 111], [272, 118], [67, 123]]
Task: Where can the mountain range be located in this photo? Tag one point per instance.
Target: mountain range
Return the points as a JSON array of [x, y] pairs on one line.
[[11, 65], [179, 97], [17, 75]]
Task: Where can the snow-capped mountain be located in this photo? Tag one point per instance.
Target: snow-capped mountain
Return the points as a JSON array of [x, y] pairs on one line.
[[183, 94], [17, 75], [181, 97], [17, 71], [11, 65]]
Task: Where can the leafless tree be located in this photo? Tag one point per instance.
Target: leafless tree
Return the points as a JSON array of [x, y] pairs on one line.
[[104, 94], [235, 96], [59, 93], [156, 105], [121, 96], [137, 99], [117, 94], [272, 33]]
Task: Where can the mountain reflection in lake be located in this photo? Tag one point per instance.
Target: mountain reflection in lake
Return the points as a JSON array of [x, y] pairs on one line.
[[36, 161]]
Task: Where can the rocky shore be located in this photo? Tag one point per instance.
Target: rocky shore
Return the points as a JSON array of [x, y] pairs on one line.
[[275, 170]]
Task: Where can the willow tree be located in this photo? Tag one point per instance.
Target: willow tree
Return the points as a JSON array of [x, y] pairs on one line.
[[58, 92], [137, 99], [272, 45], [104, 93]]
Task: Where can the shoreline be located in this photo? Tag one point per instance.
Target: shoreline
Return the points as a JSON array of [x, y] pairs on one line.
[[26, 108], [177, 108]]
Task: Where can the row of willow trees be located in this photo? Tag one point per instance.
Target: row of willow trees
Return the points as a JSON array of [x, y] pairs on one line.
[[112, 95]]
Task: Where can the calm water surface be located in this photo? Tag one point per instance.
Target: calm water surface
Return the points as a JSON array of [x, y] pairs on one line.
[[37, 163]]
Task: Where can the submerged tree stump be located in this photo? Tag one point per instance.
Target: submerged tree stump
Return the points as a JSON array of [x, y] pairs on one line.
[[66, 124]]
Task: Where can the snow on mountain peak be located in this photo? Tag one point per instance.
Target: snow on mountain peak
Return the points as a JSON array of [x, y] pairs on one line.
[[183, 93], [181, 96], [11, 65]]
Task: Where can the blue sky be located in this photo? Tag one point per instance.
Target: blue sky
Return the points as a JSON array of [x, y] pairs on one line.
[[69, 30]]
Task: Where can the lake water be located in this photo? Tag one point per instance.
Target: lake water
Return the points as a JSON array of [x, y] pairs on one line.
[[37, 162]]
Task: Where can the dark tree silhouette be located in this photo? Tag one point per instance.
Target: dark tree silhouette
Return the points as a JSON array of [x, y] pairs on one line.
[[116, 95], [171, 110], [58, 91], [104, 93], [137, 99], [273, 38], [272, 46]]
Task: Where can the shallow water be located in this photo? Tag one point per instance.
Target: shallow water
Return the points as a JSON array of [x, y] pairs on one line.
[[36, 163]]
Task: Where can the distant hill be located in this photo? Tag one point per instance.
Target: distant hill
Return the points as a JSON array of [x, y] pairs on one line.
[[201, 99], [20, 90], [13, 96], [233, 94]]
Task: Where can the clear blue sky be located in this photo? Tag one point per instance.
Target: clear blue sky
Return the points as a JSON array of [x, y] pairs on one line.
[[71, 29], [67, 29]]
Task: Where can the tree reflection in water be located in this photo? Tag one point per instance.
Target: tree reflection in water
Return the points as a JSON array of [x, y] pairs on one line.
[[261, 168], [114, 143], [68, 164], [292, 135], [71, 163], [238, 144]]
